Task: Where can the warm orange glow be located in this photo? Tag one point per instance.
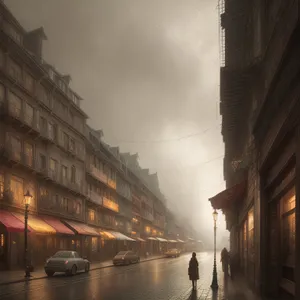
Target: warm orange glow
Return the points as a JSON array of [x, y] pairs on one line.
[[112, 183], [135, 220], [110, 204], [147, 229], [37, 224], [107, 235]]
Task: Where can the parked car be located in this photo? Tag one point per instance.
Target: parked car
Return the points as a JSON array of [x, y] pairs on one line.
[[68, 262], [126, 258], [172, 253]]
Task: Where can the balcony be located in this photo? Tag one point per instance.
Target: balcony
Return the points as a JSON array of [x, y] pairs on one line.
[[112, 183], [159, 223], [98, 174], [110, 204], [27, 119], [95, 197]]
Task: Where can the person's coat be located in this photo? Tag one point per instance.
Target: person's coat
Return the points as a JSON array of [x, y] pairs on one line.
[[193, 269]]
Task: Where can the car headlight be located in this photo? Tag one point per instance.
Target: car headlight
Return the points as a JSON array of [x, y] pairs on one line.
[[66, 262], [123, 258]]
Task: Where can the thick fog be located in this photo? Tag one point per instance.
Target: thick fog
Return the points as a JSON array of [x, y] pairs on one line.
[[148, 72]]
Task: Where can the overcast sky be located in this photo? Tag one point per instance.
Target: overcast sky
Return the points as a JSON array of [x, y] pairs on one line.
[[148, 72]]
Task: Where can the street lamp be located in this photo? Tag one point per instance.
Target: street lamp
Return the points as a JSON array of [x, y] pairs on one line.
[[27, 199], [214, 284]]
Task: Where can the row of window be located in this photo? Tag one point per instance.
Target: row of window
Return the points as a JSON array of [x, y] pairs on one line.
[[102, 192], [16, 187], [16, 106], [102, 167], [55, 201], [106, 219]]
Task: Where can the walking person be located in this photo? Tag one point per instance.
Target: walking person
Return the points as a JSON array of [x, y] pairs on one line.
[[225, 261], [193, 270]]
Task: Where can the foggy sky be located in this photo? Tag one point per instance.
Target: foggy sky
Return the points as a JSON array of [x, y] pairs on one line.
[[148, 72]]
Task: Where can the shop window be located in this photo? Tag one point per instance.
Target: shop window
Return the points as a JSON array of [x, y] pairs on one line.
[[49, 243], [94, 244], [17, 189], [288, 203], [251, 248], [62, 244]]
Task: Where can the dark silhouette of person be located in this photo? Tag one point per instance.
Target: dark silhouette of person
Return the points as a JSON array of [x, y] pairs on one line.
[[193, 270], [225, 261]]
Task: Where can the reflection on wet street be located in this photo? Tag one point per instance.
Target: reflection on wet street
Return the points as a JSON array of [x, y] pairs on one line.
[[163, 279], [159, 279]]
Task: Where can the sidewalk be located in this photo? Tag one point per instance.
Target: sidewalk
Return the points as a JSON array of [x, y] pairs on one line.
[[9, 277]]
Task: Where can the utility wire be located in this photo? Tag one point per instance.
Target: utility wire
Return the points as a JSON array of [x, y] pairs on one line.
[[169, 140]]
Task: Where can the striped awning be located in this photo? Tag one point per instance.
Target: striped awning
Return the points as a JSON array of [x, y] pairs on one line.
[[152, 239], [121, 237]]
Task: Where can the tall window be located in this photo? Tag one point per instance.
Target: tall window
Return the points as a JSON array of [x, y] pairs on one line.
[[28, 82], [53, 166], [91, 215], [17, 189], [43, 124], [43, 162], [52, 131], [64, 172], [15, 105], [28, 150], [66, 140], [251, 247], [28, 114], [42, 94], [73, 174], [1, 185], [72, 145], [16, 147], [288, 227], [15, 71]]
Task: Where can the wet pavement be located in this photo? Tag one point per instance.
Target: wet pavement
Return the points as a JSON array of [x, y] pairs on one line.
[[163, 279]]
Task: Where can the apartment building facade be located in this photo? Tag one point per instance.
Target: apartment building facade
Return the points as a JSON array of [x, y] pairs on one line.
[[86, 195], [260, 84]]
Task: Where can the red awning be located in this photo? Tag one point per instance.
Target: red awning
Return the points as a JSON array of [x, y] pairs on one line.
[[83, 229], [11, 223], [58, 225], [228, 197]]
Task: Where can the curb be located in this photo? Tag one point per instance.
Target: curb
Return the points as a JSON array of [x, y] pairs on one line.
[[92, 269]]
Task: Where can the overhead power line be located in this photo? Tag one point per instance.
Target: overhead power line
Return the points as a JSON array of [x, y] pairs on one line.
[[169, 140]]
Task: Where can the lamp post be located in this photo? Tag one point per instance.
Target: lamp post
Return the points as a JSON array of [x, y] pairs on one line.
[[27, 200], [214, 284]]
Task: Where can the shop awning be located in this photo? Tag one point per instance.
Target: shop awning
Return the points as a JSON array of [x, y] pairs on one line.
[[151, 239], [172, 241], [140, 240], [36, 224], [228, 197], [11, 223], [58, 225], [180, 241], [82, 229], [107, 235], [161, 239], [121, 237]]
